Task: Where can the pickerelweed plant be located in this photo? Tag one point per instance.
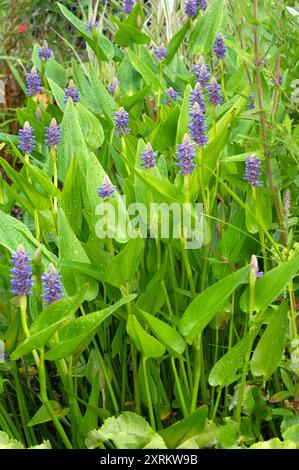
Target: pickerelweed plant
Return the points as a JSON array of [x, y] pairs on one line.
[[161, 320]]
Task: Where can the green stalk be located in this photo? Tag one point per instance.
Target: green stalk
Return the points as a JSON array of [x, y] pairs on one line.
[[259, 218], [222, 80], [55, 175], [179, 388]]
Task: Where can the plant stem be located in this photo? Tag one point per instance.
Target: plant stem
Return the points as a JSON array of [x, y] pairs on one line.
[[148, 394], [179, 388]]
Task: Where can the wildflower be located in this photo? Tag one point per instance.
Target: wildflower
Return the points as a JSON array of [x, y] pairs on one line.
[[250, 103], [185, 156], [148, 157], [171, 93], [197, 127], [219, 47], [255, 267], [21, 273], [27, 139], [201, 4], [107, 189], [92, 23], [191, 8], [161, 53], [277, 82], [71, 92], [121, 121], [52, 286], [202, 75], [113, 86], [214, 94], [33, 82], [127, 6], [196, 96], [44, 52], [253, 171], [53, 134]]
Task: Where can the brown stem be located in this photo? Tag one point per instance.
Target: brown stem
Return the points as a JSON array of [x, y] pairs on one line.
[[276, 91]]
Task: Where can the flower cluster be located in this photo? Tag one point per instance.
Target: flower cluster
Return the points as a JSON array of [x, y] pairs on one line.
[[148, 157], [27, 139], [197, 126], [191, 8], [71, 92], [52, 286], [171, 93], [53, 134], [253, 171], [202, 4], [214, 92], [185, 156], [92, 23], [127, 6], [277, 81], [21, 273], [107, 189], [255, 267], [250, 103], [219, 47], [121, 121], [196, 96], [33, 82], [44, 52], [161, 53]]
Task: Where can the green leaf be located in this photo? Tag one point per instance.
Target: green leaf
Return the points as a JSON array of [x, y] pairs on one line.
[[175, 42], [224, 371], [163, 136], [145, 343], [185, 429], [274, 443], [268, 353], [71, 197], [47, 323], [56, 72], [129, 34], [42, 414], [90, 126], [90, 419], [203, 308], [292, 434], [168, 336], [127, 431], [204, 32], [81, 329], [71, 249]]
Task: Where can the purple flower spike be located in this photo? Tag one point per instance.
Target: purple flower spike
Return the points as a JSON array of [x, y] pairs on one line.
[[253, 171], [185, 156], [21, 273], [202, 75], [27, 139], [197, 126], [219, 47], [196, 96], [53, 134], [148, 157], [113, 86], [215, 95], [201, 4], [250, 103], [92, 23], [121, 121], [107, 189], [161, 53], [52, 286], [127, 6], [255, 267], [171, 93], [44, 52], [191, 8], [33, 82], [71, 92]]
